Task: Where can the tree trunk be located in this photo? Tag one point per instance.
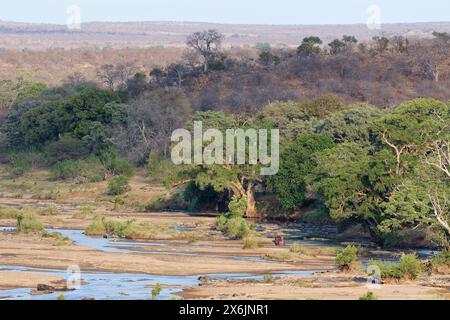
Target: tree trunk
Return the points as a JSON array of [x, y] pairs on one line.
[[436, 74], [251, 203]]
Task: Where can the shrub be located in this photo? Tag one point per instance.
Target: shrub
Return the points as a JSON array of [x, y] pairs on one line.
[[409, 267], [297, 248], [114, 164], [268, 278], [119, 166], [50, 211], [58, 236], [368, 296], [346, 257], [155, 205], [233, 226], [96, 228], [8, 213], [238, 206], [84, 213], [221, 223], [237, 228], [279, 256], [156, 291], [20, 163], [118, 185], [67, 169], [441, 262], [67, 148], [28, 223], [95, 178], [61, 297], [126, 229], [252, 242]]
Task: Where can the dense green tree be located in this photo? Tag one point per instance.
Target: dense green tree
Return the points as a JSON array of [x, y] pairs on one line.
[[296, 163], [354, 124], [88, 114], [411, 127], [239, 179], [354, 184], [336, 46], [309, 47]]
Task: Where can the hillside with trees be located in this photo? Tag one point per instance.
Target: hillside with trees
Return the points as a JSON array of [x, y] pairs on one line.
[[364, 128]]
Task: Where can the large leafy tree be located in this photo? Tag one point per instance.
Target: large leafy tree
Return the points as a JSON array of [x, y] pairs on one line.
[[354, 124], [88, 114], [309, 47], [400, 180], [412, 127], [240, 179], [296, 163], [418, 132], [354, 184]]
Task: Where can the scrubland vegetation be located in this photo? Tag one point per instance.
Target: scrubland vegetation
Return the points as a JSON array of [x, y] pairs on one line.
[[365, 142]]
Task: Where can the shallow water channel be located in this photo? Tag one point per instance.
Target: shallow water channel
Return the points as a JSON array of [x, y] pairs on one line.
[[123, 286]]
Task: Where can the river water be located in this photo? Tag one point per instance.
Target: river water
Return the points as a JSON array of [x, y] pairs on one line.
[[122, 286]]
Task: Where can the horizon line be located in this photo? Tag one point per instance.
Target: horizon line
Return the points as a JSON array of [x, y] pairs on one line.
[[218, 23]]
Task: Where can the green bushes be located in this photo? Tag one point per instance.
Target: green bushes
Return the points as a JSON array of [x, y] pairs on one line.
[[346, 258], [252, 242], [67, 169], [409, 267], [67, 148], [368, 296], [20, 163], [232, 226], [102, 226], [28, 223], [238, 206], [298, 248], [155, 205], [127, 229], [61, 240], [232, 223], [118, 185], [156, 291], [114, 164], [440, 263], [8, 213]]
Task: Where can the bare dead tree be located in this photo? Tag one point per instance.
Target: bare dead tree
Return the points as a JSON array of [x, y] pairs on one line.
[[116, 76], [438, 156], [107, 75], [207, 44], [440, 209]]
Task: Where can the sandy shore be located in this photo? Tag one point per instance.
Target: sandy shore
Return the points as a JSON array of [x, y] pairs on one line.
[[328, 286], [13, 280], [33, 251]]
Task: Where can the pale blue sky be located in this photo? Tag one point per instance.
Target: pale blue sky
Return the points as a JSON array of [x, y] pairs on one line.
[[228, 11]]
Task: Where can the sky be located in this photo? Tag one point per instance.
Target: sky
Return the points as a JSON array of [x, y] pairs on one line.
[[229, 11]]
